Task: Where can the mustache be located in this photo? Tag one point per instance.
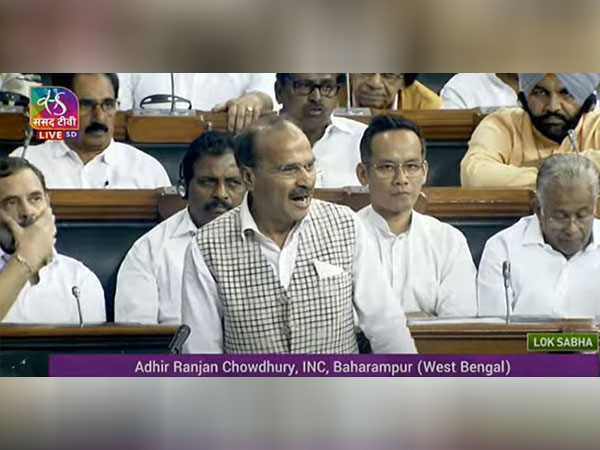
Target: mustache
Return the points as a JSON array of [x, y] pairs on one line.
[[216, 203], [300, 191], [554, 115], [96, 126]]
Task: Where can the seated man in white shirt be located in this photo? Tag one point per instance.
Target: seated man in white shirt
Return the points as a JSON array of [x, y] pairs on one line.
[[243, 96], [480, 90], [94, 160], [428, 262], [553, 256], [37, 285], [149, 280], [309, 100], [282, 272]]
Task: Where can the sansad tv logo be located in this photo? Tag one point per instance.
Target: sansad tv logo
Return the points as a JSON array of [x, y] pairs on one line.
[[54, 113]]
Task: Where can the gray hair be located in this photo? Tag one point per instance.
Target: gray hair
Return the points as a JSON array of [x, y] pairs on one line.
[[564, 169]]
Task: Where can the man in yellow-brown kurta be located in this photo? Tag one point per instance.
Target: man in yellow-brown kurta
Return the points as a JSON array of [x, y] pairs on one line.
[[508, 146], [392, 91]]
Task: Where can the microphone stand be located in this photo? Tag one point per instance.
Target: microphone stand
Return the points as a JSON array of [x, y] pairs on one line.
[[507, 283]]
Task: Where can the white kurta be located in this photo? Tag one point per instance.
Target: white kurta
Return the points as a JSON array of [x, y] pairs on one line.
[[544, 282], [204, 90], [429, 267], [119, 166], [477, 90], [149, 280], [338, 152], [51, 300]]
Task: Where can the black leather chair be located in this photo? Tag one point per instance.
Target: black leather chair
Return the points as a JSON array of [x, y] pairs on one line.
[[478, 232], [169, 155], [101, 246], [444, 159], [8, 146]]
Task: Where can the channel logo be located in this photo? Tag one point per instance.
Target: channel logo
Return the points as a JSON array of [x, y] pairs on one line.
[[54, 113]]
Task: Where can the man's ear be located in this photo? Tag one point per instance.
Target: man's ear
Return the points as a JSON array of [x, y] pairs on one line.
[[425, 172], [247, 177], [362, 174], [535, 205], [278, 93]]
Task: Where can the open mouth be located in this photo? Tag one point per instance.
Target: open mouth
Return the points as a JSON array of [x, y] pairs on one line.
[[301, 200]]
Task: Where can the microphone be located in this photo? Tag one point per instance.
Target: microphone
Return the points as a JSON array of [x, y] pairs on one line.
[[76, 293], [172, 92], [507, 286], [177, 342], [350, 110], [27, 140], [573, 141], [348, 94], [160, 99]]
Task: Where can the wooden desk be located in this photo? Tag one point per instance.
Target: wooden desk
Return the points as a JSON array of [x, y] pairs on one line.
[[441, 202], [106, 204], [488, 338], [24, 349], [435, 124], [142, 204]]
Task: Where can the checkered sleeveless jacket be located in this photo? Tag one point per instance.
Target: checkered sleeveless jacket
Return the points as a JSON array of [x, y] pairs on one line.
[[313, 315]]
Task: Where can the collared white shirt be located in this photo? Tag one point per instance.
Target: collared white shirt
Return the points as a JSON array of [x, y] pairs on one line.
[[204, 90], [429, 266], [477, 90], [149, 280], [379, 314], [51, 300], [543, 282], [119, 166], [338, 152]]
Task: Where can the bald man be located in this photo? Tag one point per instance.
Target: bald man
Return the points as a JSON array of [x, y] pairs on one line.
[[282, 273], [508, 146], [554, 254]]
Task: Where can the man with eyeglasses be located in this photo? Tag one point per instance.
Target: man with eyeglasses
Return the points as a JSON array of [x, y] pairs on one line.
[[427, 262], [94, 160], [392, 91], [309, 100], [283, 272], [554, 254], [149, 280]]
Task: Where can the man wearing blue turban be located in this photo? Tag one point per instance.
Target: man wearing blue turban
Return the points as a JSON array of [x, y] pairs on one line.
[[556, 116]]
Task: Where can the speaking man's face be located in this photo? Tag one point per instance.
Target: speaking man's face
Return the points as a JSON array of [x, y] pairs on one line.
[[283, 181]]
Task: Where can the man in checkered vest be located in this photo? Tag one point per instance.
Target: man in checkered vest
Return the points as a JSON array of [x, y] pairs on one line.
[[282, 273]]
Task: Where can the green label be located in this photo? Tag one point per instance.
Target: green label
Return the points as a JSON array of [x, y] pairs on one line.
[[562, 342]]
